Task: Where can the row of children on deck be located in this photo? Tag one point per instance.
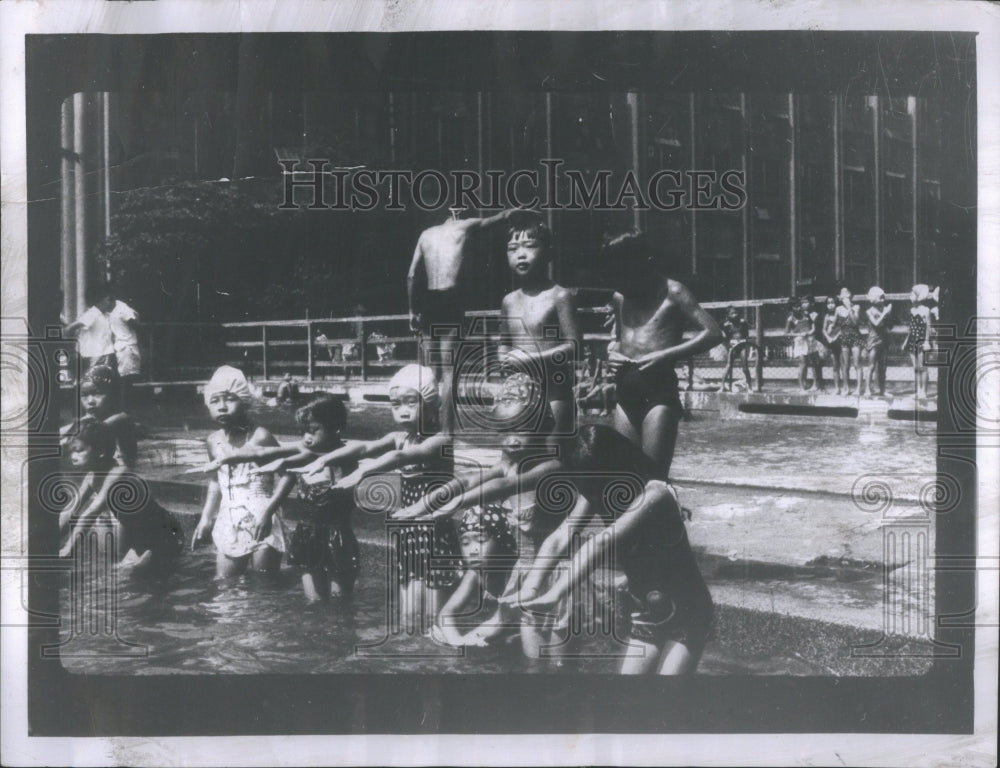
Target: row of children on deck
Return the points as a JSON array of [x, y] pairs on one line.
[[858, 339]]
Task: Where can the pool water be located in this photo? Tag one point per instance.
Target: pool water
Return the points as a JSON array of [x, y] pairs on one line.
[[189, 623]]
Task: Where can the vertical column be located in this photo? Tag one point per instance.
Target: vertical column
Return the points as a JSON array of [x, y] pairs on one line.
[[480, 138], [874, 103], [911, 107], [838, 203], [745, 213], [70, 309], [793, 251], [692, 138], [633, 110], [80, 196], [392, 127], [549, 214], [105, 98]]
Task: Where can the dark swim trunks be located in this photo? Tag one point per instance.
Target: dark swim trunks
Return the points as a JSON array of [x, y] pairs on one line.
[[656, 618], [441, 311], [638, 392]]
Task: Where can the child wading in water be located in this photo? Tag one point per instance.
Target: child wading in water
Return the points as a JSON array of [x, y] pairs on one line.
[[508, 488], [323, 545], [487, 553], [242, 509], [148, 537], [426, 553], [540, 330], [651, 311], [917, 343], [98, 401], [672, 611]]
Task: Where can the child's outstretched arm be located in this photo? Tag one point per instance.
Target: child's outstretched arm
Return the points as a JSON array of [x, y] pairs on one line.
[[393, 459], [500, 488], [93, 509], [83, 493], [356, 450], [551, 551], [250, 453], [301, 456], [596, 547], [444, 498], [466, 593], [709, 335]]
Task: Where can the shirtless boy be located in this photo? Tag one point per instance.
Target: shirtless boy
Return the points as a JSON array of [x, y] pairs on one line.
[[652, 311], [539, 326], [436, 286]]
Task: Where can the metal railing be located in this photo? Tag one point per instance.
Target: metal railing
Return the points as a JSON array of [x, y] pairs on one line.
[[372, 347]]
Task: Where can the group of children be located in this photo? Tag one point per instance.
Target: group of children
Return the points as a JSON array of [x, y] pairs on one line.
[[859, 339], [475, 554]]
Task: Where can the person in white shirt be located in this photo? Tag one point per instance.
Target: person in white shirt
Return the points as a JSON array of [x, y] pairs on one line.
[[93, 331], [124, 327]]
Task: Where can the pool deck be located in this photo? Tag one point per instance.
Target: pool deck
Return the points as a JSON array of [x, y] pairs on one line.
[[778, 398]]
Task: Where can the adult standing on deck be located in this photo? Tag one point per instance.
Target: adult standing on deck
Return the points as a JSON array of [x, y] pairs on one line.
[[436, 286], [93, 330], [652, 311]]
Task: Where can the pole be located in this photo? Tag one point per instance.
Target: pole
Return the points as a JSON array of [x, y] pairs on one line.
[[759, 331], [911, 103], [309, 351], [793, 255], [263, 349], [838, 209], [71, 310], [80, 196], [633, 110], [362, 336]]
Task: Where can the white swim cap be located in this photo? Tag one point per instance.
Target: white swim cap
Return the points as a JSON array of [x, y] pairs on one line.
[[921, 291], [875, 293], [419, 378], [228, 379]]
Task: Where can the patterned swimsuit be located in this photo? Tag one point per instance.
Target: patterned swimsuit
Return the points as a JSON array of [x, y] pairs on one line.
[[425, 550], [850, 334], [326, 542], [918, 334]]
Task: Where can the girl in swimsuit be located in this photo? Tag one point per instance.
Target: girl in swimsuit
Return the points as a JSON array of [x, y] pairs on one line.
[[831, 339], [528, 455], [918, 341], [98, 401], [487, 546], [426, 553], [672, 611], [242, 511], [146, 535], [848, 319]]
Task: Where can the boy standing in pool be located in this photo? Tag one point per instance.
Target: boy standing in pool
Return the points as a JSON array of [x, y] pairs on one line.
[[539, 325], [437, 289], [652, 311]]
